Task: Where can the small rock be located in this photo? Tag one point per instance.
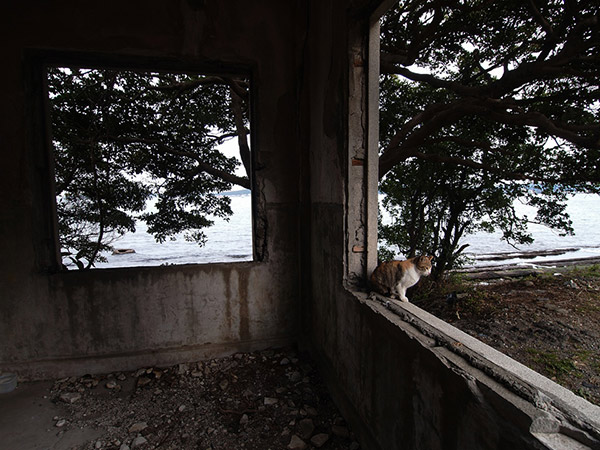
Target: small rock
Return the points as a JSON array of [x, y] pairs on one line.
[[318, 440], [296, 443], [310, 410], [142, 381], [295, 377], [111, 385], [340, 431], [306, 427], [70, 397], [270, 401], [223, 384], [284, 362], [124, 447], [181, 408], [182, 369], [244, 420], [138, 441], [354, 446], [137, 427], [61, 423], [89, 382]]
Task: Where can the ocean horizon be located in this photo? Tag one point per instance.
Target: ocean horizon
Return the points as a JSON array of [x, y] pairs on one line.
[[231, 241]]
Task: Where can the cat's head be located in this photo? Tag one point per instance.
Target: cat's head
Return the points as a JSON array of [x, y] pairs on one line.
[[423, 264]]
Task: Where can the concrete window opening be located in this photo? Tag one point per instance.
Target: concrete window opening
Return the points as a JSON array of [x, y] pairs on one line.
[[150, 167], [559, 417], [438, 190]]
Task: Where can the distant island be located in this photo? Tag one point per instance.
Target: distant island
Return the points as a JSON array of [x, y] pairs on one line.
[[236, 193]]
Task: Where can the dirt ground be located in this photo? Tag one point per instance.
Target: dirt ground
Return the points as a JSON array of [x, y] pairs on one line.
[[550, 322], [273, 399]]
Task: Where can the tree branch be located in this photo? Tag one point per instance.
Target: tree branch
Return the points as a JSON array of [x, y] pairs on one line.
[[190, 84], [506, 175], [201, 166], [240, 126]]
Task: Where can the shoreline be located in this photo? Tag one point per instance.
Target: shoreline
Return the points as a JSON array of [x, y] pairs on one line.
[[517, 270]]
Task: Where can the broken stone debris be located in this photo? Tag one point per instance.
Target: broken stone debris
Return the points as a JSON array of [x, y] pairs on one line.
[[318, 440], [70, 397], [296, 443], [137, 427], [243, 401], [306, 428]]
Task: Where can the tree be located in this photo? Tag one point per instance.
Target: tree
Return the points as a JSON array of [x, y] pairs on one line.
[[483, 102], [122, 137]]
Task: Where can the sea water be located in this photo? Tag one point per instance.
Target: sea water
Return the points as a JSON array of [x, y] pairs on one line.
[[584, 211], [229, 241]]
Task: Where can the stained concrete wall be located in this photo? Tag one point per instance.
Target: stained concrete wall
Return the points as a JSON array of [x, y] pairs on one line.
[[403, 378], [54, 324], [401, 382]]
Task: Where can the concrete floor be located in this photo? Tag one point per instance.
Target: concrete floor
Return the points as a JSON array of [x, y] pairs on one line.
[[26, 421]]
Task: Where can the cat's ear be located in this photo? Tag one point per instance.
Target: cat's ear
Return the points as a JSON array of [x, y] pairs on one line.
[[430, 257]]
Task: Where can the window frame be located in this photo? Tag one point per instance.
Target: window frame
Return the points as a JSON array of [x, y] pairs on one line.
[[573, 417], [48, 257]]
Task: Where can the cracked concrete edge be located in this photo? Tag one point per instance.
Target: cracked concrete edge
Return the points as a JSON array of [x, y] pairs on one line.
[[554, 410]]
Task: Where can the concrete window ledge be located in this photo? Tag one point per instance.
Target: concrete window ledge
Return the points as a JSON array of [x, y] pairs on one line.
[[560, 420]]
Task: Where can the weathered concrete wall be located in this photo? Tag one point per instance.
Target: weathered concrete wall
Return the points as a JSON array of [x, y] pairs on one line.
[[400, 385], [400, 388], [75, 322]]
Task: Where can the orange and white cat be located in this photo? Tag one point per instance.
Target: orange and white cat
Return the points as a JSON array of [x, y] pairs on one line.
[[393, 278]]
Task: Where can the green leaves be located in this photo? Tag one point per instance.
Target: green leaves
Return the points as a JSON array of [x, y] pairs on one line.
[[483, 103], [122, 137]]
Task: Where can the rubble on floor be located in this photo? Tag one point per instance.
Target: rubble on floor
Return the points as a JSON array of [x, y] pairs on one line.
[[273, 399]]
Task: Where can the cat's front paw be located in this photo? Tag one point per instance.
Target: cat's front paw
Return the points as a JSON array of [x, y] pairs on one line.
[[404, 299]]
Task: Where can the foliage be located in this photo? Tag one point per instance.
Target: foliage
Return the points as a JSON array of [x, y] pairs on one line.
[[553, 364], [123, 137], [483, 103]]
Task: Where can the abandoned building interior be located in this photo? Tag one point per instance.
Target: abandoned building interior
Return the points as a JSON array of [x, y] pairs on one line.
[[401, 377]]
